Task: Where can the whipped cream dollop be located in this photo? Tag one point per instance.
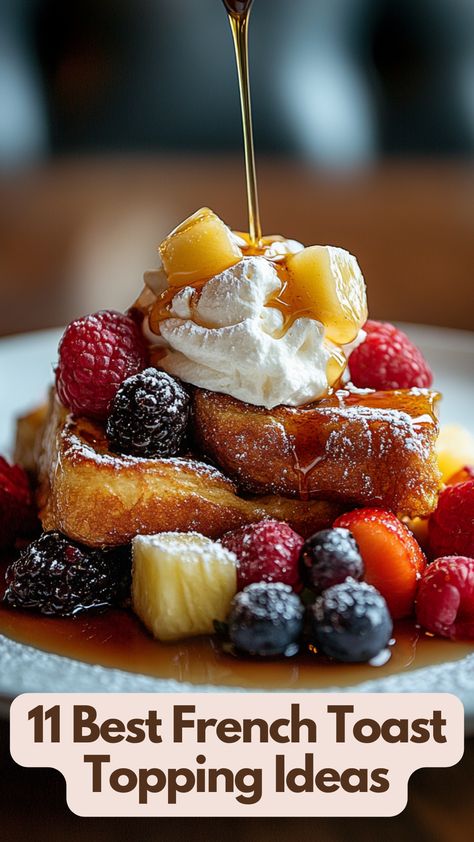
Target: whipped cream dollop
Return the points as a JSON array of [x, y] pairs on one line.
[[229, 339]]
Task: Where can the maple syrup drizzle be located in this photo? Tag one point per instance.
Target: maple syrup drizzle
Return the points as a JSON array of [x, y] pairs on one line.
[[283, 300], [161, 310], [305, 454], [239, 15]]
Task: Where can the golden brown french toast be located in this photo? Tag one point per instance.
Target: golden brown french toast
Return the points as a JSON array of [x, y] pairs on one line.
[[29, 432], [358, 448], [103, 499]]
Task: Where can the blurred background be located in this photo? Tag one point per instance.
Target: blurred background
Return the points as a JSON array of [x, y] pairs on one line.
[[120, 117]]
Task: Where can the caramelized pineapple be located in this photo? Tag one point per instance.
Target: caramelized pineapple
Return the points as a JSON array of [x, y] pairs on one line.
[[181, 583], [199, 248], [326, 284]]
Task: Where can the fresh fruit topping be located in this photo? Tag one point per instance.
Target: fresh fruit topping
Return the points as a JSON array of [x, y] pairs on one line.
[[328, 558], [455, 448], [17, 511], [451, 526], [96, 354], [393, 559], [462, 475], [199, 248], [387, 359], [149, 415], [181, 583], [266, 619], [267, 551], [445, 601], [325, 283], [350, 622], [59, 577]]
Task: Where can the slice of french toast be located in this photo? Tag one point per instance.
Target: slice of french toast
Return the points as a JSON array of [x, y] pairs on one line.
[[29, 433], [103, 499], [360, 448]]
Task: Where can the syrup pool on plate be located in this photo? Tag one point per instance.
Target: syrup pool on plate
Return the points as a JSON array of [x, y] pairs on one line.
[[117, 639]]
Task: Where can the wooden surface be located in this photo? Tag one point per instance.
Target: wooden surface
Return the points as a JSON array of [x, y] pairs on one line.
[[78, 236]]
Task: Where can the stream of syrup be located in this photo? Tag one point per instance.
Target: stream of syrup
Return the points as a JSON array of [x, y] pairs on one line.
[[239, 15]]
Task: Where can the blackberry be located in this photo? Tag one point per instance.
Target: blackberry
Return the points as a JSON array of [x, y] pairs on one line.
[[350, 622], [266, 618], [330, 557], [59, 577], [149, 415]]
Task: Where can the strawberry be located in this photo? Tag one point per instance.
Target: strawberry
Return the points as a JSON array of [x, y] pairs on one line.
[[392, 557]]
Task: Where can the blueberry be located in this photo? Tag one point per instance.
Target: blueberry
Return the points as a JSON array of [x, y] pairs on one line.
[[330, 557], [350, 622], [266, 618]]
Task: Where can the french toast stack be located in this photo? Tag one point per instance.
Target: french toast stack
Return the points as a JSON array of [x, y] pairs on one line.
[[363, 456], [101, 498], [243, 435], [242, 462]]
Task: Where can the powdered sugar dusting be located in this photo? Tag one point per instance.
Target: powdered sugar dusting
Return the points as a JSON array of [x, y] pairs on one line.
[[76, 448], [190, 546]]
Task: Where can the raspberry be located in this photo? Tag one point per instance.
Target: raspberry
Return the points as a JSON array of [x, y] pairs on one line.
[[330, 557], [96, 353], [451, 526], [350, 622], [445, 601], [149, 415], [267, 551], [266, 619], [58, 577], [17, 511], [387, 359]]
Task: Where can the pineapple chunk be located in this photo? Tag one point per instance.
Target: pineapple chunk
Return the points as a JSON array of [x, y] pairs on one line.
[[199, 248], [326, 283], [455, 449], [181, 583]]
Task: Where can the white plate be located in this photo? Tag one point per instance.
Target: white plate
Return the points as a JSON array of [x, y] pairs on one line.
[[25, 371]]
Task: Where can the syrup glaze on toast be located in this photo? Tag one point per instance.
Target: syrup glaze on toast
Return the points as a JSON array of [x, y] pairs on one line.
[[358, 448]]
